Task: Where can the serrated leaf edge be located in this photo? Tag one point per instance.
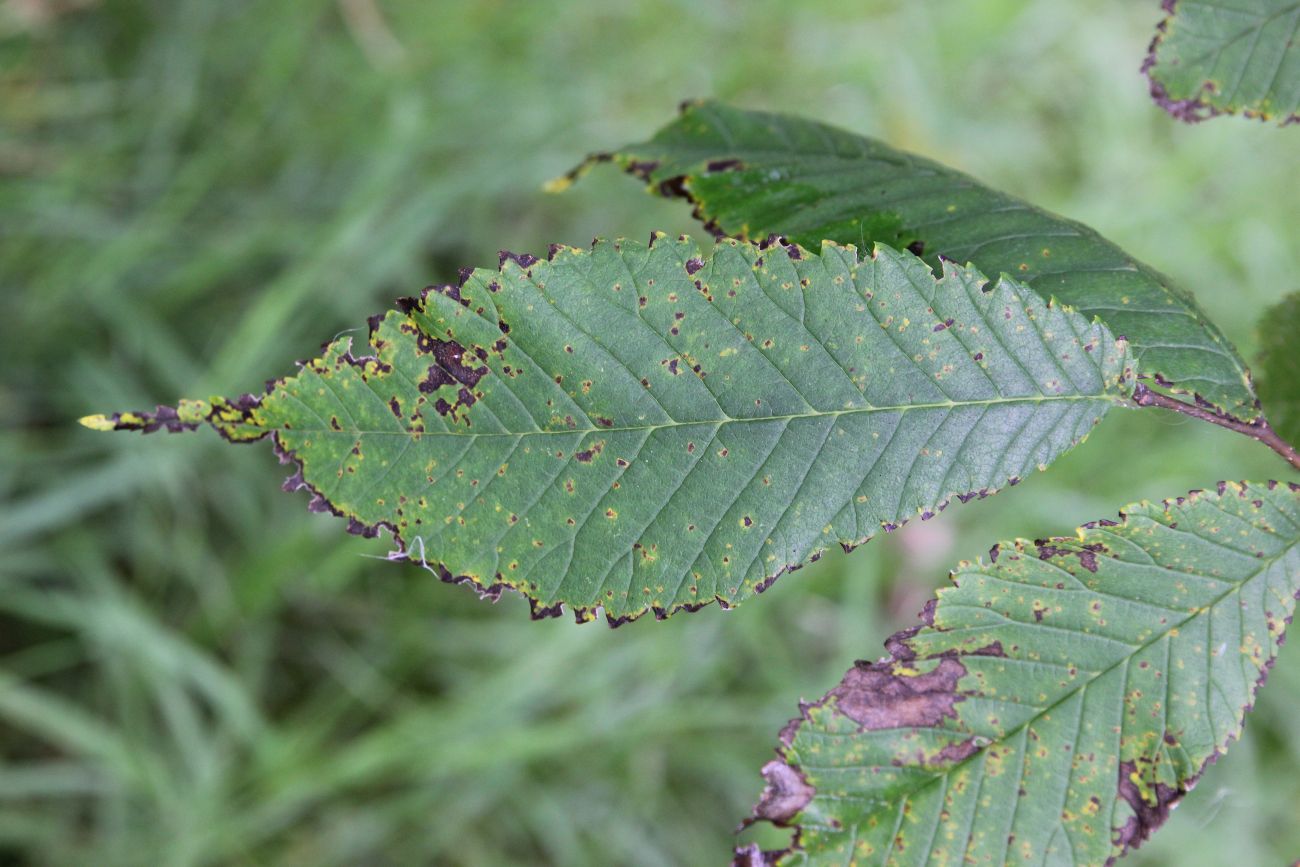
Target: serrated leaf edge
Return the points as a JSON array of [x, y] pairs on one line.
[[232, 418], [1191, 109], [679, 187], [784, 780]]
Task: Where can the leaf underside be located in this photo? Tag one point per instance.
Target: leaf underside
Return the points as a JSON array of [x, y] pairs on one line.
[[648, 427], [1279, 366], [1211, 57], [1058, 701], [751, 174]]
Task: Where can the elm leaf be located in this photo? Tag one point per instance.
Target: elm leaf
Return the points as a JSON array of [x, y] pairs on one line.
[[750, 174], [1058, 700], [651, 427], [1209, 58]]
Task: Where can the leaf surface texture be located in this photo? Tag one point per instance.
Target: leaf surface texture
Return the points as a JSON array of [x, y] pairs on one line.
[[751, 174], [650, 427], [1058, 700], [1213, 57]]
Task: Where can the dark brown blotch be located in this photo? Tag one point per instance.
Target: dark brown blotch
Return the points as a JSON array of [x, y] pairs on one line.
[[1147, 816], [876, 697], [785, 794]]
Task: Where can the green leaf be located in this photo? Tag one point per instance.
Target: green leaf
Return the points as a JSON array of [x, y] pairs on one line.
[[650, 428], [751, 174], [1279, 366], [1058, 700], [1210, 57]]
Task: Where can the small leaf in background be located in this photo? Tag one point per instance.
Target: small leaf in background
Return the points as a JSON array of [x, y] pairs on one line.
[[750, 174], [1059, 699], [649, 427], [1211, 57], [1279, 366]]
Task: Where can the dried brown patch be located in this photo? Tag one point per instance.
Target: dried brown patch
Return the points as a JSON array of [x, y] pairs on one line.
[[785, 795], [876, 697]]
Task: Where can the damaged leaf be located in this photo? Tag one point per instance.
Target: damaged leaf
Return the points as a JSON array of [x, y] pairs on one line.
[[1211, 57], [638, 427], [1057, 702], [1279, 366], [751, 173]]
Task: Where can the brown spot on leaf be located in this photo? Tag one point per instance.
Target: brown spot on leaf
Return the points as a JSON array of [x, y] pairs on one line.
[[785, 795], [586, 456], [523, 260], [1147, 817], [956, 752], [448, 355], [435, 379], [875, 697]]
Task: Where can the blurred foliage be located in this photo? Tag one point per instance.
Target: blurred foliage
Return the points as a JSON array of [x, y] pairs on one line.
[[1279, 366], [193, 670]]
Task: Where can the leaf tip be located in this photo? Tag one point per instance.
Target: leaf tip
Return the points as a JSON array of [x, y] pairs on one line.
[[184, 417], [559, 184], [97, 422]]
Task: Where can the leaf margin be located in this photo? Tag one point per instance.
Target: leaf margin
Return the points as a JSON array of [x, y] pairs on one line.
[[1245, 409], [234, 419], [1195, 108], [787, 790]]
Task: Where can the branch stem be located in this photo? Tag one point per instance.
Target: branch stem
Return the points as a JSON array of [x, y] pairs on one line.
[[1258, 429]]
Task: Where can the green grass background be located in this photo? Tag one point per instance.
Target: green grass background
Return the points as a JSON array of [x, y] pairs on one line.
[[194, 670]]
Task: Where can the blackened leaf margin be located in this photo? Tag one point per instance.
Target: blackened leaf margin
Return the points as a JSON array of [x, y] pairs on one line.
[[752, 173], [1057, 701], [1211, 57], [650, 427]]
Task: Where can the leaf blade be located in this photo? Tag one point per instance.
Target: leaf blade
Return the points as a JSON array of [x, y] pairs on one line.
[[1058, 700], [751, 174], [650, 428], [1210, 58]]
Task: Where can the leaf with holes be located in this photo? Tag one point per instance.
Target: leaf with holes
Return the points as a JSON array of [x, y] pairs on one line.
[[751, 174], [1209, 57], [651, 428], [1279, 366], [1057, 702]]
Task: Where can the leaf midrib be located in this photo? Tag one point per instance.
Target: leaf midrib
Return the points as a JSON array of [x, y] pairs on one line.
[[1082, 687], [569, 431]]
